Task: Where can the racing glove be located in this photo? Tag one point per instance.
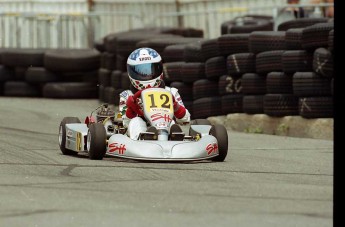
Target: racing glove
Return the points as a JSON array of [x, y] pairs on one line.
[[179, 110], [133, 108]]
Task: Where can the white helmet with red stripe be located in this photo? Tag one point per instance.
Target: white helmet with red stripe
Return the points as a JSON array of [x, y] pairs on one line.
[[145, 68]]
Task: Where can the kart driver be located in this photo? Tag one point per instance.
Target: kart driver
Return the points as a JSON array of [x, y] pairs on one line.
[[145, 70]]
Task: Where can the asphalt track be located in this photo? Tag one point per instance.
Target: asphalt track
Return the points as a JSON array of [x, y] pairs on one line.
[[265, 180]]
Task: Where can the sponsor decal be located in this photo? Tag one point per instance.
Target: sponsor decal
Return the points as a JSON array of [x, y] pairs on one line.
[[124, 94], [117, 147], [69, 133], [211, 148], [159, 116], [162, 125], [79, 135], [143, 51], [145, 59]]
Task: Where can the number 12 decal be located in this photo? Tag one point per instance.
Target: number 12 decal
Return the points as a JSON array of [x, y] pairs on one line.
[[163, 97], [158, 100]]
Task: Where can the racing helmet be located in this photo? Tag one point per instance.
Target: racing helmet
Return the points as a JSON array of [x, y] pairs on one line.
[[145, 68]]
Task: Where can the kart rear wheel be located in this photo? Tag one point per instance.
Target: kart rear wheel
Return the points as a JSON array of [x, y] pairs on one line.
[[96, 141], [62, 134], [221, 134]]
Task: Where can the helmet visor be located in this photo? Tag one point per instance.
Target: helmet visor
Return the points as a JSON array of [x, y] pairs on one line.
[[145, 72]]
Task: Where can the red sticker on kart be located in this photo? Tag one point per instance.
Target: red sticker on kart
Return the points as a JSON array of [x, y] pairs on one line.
[[158, 116], [117, 147], [211, 148]]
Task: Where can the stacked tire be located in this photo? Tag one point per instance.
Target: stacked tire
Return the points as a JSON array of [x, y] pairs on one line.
[[77, 73], [16, 67], [49, 73]]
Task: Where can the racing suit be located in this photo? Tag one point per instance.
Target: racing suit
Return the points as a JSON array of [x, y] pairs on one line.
[[135, 124]]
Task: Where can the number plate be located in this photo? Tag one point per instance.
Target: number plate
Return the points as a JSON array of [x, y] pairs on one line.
[[158, 100]]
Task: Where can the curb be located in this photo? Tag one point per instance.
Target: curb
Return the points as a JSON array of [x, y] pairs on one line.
[[294, 126]]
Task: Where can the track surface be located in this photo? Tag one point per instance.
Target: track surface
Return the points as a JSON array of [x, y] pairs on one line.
[[265, 180]]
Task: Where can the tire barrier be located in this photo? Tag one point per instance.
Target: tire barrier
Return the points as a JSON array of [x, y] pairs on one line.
[[5, 73], [108, 61], [300, 23], [309, 84], [193, 53], [297, 61], [279, 83], [159, 44], [238, 64], [71, 60], [253, 83], [204, 88], [104, 77], [173, 71], [293, 39], [316, 36], [269, 61], [331, 40], [253, 104], [247, 24], [279, 105], [228, 85], [173, 53], [232, 104], [70, 90], [193, 71], [262, 41], [215, 67], [277, 73], [233, 43], [115, 79], [39, 75], [323, 62], [25, 57], [21, 89], [316, 107], [207, 106]]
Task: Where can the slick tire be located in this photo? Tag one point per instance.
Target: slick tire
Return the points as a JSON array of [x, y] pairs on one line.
[[70, 90], [23, 57], [96, 141], [219, 131], [72, 60], [62, 134]]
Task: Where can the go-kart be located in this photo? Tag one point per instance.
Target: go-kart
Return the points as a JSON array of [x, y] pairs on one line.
[[106, 134]]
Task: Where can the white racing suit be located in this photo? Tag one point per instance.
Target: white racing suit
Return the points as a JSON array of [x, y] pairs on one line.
[[137, 125]]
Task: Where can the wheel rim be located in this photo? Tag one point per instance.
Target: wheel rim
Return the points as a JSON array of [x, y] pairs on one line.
[[60, 135], [88, 142]]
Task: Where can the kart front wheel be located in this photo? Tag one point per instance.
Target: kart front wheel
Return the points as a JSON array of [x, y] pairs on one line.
[[62, 134], [96, 141], [221, 134]]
